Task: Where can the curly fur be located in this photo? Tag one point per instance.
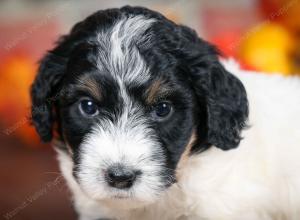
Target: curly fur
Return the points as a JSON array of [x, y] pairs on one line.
[[187, 171]]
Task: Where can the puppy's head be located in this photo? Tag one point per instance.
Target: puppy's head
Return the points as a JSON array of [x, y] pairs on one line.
[[131, 93]]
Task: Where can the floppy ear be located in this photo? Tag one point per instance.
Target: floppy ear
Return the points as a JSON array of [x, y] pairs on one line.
[[221, 94], [44, 91], [226, 105]]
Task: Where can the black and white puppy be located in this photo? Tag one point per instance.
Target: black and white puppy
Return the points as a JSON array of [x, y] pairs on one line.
[[143, 111]]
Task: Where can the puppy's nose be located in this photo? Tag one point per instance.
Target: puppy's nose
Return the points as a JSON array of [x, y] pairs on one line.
[[121, 177]]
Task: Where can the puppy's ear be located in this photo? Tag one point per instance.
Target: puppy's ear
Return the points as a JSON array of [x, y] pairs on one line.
[[44, 91], [226, 105], [221, 94]]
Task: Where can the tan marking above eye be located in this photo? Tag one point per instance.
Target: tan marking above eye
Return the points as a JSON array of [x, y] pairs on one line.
[[86, 83], [156, 90]]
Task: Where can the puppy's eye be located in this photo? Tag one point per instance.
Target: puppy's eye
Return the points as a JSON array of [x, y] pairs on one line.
[[162, 110], [88, 108]]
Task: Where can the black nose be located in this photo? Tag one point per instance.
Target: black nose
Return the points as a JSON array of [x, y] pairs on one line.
[[121, 177]]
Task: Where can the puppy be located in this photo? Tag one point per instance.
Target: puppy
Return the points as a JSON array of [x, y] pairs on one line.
[[149, 124]]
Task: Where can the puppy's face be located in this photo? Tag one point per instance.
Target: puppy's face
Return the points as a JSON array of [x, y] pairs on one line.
[[126, 123], [136, 93]]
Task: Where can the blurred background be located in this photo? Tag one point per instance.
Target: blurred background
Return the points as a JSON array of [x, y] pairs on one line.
[[263, 35]]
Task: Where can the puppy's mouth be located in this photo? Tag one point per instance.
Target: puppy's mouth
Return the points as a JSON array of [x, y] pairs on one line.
[[121, 194], [121, 197]]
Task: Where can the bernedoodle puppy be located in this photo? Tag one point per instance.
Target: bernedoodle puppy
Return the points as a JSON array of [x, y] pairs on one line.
[[149, 124]]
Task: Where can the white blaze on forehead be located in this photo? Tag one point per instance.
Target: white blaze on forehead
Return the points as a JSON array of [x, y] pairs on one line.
[[119, 51], [120, 56]]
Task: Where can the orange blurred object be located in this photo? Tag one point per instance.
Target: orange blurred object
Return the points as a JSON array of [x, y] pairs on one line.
[[24, 42], [17, 72], [268, 48]]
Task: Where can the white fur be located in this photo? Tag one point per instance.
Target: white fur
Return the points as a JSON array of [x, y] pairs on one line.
[[119, 52], [260, 180]]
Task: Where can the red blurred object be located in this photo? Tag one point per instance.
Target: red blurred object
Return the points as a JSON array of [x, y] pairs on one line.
[[284, 11], [269, 6], [226, 43]]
